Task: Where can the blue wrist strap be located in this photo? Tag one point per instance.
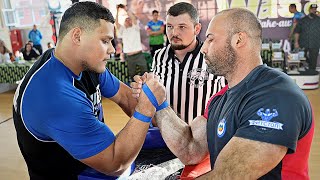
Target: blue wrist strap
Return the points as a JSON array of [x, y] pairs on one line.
[[150, 95], [162, 106], [142, 117], [153, 99]]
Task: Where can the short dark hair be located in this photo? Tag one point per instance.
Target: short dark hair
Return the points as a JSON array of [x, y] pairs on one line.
[[85, 15], [293, 6], [155, 11], [182, 8]]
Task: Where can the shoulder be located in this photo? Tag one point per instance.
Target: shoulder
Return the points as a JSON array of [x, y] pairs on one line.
[[275, 86]]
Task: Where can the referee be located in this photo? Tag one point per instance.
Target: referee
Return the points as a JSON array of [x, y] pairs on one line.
[[181, 66]]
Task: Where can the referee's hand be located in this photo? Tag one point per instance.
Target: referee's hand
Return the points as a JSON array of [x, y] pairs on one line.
[[136, 86]]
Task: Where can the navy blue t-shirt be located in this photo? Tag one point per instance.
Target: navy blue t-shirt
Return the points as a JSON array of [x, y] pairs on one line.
[[266, 106]]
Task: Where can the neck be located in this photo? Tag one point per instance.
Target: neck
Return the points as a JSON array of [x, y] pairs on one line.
[[243, 67], [62, 53], [182, 53]]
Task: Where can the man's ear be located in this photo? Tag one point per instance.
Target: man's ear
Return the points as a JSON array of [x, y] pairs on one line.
[[239, 39], [76, 35], [197, 28]]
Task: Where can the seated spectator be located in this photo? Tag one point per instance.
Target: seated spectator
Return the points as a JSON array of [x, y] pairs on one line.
[[30, 42], [29, 53], [12, 57], [50, 45], [4, 53]]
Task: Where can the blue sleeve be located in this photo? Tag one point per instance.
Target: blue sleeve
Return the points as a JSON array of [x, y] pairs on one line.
[[40, 35], [109, 84], [149, 25], [67, 118], [29, 35], [275, 117]]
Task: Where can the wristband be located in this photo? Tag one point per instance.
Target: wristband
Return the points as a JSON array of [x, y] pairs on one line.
[[150, 95], [153, 99], [142, 117], [162, 106]]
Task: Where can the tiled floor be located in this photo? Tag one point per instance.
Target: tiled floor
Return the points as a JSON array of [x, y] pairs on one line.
[[12, 165]]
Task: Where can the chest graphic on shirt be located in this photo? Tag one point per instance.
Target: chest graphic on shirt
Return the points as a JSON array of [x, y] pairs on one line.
[[198, 77], [96, 101]]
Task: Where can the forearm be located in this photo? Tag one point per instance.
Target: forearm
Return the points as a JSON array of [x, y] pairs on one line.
[[130, 139], [245, 159], [186, 142], [133, 17], [117, 20], [125, 101], [155, 33]]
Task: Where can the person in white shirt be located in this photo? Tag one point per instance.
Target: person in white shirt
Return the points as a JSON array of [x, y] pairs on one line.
[[132, 48]]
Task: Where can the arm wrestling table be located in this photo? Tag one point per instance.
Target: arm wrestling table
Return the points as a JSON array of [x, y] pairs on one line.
[[155, 161]]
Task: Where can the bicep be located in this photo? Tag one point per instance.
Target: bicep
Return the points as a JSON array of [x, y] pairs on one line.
[[248, 159]]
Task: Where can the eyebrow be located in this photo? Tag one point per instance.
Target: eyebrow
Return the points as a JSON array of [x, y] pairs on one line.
[[210, 34], [178, 24], [108, 37]]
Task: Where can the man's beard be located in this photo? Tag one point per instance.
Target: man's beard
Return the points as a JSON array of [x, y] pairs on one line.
[[180, 46], [223, 62], [86, 67]]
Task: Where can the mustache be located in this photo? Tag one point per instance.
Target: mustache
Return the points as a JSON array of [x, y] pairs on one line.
[[175, 37]]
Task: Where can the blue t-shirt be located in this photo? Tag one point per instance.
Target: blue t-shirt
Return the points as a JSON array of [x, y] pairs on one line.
[[59, 106], [155, 26], [297, 16]]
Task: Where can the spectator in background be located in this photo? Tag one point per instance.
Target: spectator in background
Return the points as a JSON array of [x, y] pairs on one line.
[[4, 53], [132, 48], [35, 36], [29, 53], [50, 45], [307, 36], [30, 42], [12, 57], [296, 17], [155, 29]]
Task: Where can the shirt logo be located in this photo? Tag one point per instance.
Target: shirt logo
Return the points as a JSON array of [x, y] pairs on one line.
[[265, 121], [197, 77], [221, 128]]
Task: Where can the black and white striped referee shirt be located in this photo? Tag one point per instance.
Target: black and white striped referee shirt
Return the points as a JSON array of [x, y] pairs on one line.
[[188, 83]]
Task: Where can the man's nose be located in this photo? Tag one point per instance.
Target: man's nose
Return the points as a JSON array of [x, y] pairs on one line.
[[111, 50], [204, 49]]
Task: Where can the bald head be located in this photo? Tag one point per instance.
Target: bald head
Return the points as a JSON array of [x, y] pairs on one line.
[[242, 20]]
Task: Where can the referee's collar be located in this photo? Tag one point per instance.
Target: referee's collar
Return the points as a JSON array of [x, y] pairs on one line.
[[194, 52]]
